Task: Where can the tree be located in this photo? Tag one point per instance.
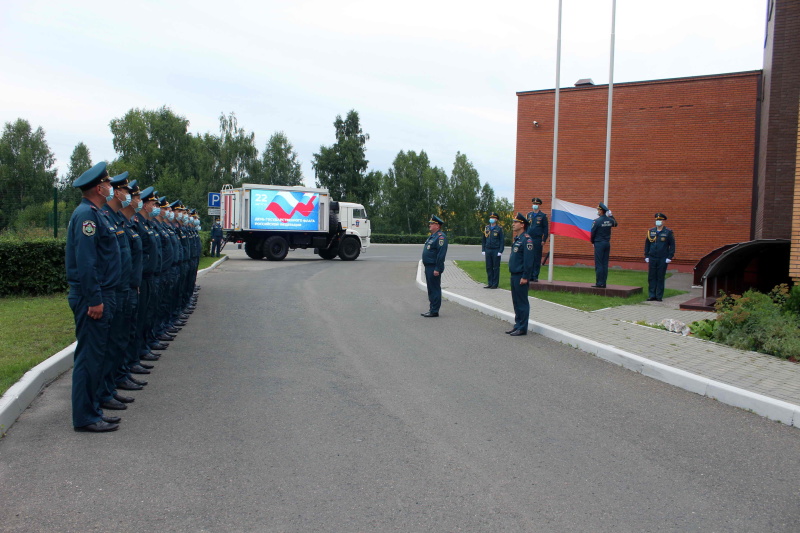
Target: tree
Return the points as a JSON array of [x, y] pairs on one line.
[[280, 164], [342, 168], [27, 175], [463, 201], [79, 162], [414, 190], [238, 154]]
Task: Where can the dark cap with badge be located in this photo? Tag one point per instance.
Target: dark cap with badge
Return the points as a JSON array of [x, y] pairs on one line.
[[149, 193], [521, 218], [92, 177], [120, 180], [133, 187], [162, 202], [537, 201], [436, 220], [602, 206], [493, 215], [176, 205], [660, 216]]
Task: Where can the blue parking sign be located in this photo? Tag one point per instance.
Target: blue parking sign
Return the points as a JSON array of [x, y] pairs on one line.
[[213, 199]]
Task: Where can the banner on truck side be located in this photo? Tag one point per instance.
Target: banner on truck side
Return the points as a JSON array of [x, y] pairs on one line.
[[278, 210]]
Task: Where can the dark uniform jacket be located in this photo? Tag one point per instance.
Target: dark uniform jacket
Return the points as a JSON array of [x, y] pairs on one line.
[[493, 239], [659, 244], [435, 251], [538, 226], [216, 231], [601, 228], [124, 248], [92, 253], [521, 259]]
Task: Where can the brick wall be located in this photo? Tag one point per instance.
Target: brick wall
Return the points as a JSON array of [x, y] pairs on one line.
[[777, 150], [685, 147]]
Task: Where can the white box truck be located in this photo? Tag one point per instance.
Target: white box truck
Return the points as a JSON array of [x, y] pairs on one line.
[[271, 220]]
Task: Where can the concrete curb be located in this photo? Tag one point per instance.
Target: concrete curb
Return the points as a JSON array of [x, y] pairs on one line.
[[765, 406], [20, 395]]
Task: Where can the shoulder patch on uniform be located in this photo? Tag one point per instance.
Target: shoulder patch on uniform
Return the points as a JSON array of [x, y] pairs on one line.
[[89, 228], [441, 242], [530, 245]]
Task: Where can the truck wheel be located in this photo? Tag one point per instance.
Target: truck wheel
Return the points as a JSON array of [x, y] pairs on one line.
[[253, 249], [276, 248], [329, 253], [349, 249]]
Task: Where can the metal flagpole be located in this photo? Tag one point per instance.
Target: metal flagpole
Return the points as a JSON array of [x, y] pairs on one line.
[[555, 139], [610, 101]]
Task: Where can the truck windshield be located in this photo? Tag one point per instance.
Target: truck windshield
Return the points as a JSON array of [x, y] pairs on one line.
[[359, 213]]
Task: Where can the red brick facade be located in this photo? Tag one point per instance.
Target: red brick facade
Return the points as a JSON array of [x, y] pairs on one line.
[[685, 147]]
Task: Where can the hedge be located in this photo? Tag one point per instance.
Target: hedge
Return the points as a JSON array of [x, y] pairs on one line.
[[378, 238], [32, 267]]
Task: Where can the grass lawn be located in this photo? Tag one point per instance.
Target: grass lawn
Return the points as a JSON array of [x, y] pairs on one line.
[[206, 262], [34, 328], [586, 302]]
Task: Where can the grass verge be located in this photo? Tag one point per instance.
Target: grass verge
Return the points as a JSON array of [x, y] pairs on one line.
[[586, 302]]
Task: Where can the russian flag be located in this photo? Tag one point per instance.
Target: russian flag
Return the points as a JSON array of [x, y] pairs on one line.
[[572, 220]]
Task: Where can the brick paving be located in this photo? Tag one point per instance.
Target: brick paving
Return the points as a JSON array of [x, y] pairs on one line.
[[755, 372]]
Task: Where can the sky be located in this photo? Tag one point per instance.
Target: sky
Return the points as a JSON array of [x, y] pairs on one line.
[[434, 75]]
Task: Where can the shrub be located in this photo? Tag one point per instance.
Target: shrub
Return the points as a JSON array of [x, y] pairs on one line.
[[704, 329], [755, 322], [32, 267]]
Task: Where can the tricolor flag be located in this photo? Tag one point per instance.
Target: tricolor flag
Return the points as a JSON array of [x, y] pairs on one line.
[[572, 220]]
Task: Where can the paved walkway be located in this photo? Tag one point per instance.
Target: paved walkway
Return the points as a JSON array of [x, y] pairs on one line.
[[616, 328]]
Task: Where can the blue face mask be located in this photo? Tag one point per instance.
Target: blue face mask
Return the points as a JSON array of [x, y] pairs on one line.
[[659, 222], [155, 212], [138, 206], [492, 221], [110, 195], [535, 207], [127, 201]]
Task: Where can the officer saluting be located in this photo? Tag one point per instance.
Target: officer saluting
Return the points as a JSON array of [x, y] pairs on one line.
[[601, 238], [433, 259], [659, 249], [539, 230], [520, 265], [492, 246], [93, 273]]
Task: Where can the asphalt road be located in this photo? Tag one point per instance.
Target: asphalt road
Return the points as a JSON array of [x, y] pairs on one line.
[[309, 395]]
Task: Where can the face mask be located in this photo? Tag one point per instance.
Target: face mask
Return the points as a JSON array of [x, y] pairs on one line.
[[155, 212], [127, 201], [110, 195], [170, 216], [658, 223], [492, 221], [138, 206], [535, 207]]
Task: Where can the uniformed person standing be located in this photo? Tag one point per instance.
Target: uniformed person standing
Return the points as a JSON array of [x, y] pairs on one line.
[[539, 230], [492, 246], [216, 238], [93, 270], [520, 266], [659, 249], [433, 255], [601, 239]]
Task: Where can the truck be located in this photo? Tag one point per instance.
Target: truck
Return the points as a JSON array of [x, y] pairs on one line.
[[271, 220]]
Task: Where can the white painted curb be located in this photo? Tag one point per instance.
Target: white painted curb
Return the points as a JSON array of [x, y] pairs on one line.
[[765, 406], [23, 392]]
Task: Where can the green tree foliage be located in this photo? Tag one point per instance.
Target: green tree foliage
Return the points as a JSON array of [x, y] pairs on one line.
[[342, 168], [27, 175], [280, 164], [412, 191], [464, 198], [79, 162]]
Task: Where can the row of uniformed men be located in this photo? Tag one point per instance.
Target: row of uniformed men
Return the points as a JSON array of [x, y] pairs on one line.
[[131, 261]]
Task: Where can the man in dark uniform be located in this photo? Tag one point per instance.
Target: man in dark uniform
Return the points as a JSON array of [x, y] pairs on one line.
[[216, 238], [539, 230], [601, 239], [93, 271], [152, 273], [659, 249], [520, 265], [492, 246], [433, 255]]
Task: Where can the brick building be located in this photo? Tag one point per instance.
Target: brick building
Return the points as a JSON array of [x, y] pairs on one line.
[[718, 154], [685, 147]]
